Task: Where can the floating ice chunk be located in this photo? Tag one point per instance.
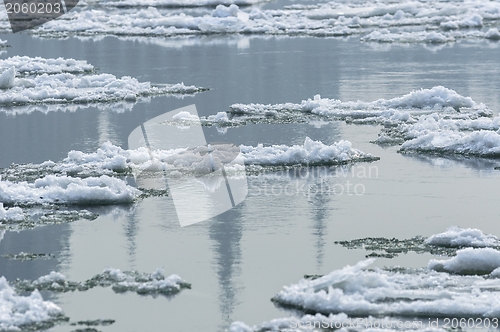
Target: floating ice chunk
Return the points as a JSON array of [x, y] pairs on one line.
[[493, 33], [469, 261], [223, 11], [53, 189], [7, 78], [327, 19], [12, 214], [37, 65], [17, 311], [311, 153], [463, 237], [437, 98], [474, 21], [478, 143], [56, 81], [177, 3], [109, 159], [120, 281], [52, 277], [356, 291]]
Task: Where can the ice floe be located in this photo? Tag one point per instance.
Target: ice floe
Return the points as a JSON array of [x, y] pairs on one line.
[[25, 65], [405, 21], [96, 168], [436, 120], [60, 81], [400, 109], [443, 244], [463, 237], [23, 311], [52, 189], [469, 261], [12, 214], [119, 281], [310, 153], [176, 3], [357, 291]]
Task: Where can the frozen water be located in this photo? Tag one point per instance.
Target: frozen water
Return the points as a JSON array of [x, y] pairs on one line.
[[53, 189], [17, 311], [357, 291], [120, 281], [407, 21], [12, 214], [310, 153], [37, 65], [469, 261], [177, 3], [56, 81], [463, 237]]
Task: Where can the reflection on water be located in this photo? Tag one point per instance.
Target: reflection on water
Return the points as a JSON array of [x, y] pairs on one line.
[[225, 231]]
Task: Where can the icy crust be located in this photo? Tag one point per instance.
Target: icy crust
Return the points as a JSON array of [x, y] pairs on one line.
[[25, 65], [357, 291], [311, 153], [18, 312], [435, 121], [443, 244], [28, 81], [408, 21], [53, 189], [13, 214], [459, 237], [177, 3], [120, 282], [98, 170], [386, 111], [470, 261]]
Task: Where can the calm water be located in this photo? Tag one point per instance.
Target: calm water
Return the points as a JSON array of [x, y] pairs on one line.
[[237, 261]]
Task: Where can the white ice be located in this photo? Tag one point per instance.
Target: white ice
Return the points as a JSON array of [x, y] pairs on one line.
[[311, 152], [53, 189], [16, 310], [463, 237], [407, 21], [356, 291], [469, 261], [11, 214], [37, 65], [177, 3], [55, 81], [111, 157]]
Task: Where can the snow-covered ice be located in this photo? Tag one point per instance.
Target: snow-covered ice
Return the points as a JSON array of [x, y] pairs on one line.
[[436, 120], [469, 261], [17, 311], [53, 189], [12, 214], [177, 3], [60, 81], [357, 291], [386, 21], [26, 65], [120, 281], [310, 153], [463, 237]]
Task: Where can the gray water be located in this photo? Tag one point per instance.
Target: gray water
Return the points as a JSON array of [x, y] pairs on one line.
[[237, 261]]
